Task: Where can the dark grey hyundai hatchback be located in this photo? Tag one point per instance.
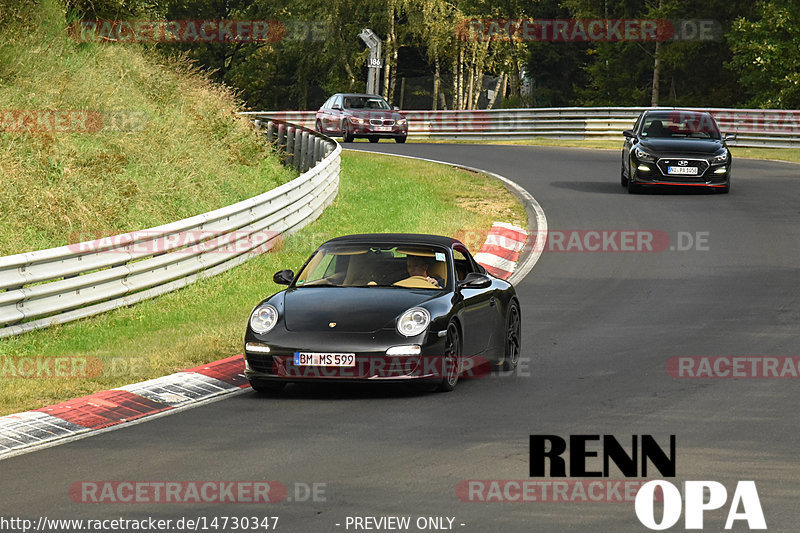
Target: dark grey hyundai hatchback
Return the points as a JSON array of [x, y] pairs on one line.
[[676, 147]]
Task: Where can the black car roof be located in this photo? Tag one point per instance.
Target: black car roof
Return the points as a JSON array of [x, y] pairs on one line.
[[402, 238]]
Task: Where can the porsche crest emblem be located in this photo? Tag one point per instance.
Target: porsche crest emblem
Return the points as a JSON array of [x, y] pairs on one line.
[[331, 324]]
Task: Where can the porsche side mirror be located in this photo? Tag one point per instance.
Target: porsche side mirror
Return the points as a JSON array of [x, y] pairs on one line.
[[475, 280], [629, 134], [283, 277], [729, 137]]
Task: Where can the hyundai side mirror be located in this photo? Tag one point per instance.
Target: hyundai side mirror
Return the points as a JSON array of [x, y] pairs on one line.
[[729, 137], [629, 134], [283, 277]]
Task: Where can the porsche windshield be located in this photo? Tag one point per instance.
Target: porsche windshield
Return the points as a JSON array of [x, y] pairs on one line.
[[376, 265]]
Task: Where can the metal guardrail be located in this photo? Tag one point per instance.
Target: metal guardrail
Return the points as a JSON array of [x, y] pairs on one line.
[[753, 127], [45, 287]]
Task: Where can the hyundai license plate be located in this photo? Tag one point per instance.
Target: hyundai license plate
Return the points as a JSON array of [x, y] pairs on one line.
[[691, 171]]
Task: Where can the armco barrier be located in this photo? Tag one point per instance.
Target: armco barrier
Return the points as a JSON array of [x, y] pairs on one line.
[[753, 127], [38, 289]]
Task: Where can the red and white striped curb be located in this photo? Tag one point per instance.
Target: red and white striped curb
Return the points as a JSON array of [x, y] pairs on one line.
[[501, 251], [23, 432]]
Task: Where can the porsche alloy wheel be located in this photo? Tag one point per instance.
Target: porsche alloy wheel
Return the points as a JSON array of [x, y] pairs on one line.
[[451, 362], [513, 340]]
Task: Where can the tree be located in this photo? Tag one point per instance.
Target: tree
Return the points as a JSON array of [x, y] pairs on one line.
[[766, 54]]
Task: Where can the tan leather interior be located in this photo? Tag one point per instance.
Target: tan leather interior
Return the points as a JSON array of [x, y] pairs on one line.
[[359, 270], [416, 282], [438, 269]]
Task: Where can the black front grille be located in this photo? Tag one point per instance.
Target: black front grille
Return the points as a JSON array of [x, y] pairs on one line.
[[701, 164], [260, 363], [381, 122]]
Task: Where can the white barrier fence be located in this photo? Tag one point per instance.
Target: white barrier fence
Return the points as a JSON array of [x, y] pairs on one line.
[[45, 287], [753, 127]]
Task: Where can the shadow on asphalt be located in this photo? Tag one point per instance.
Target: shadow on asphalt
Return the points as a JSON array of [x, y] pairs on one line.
[[604, 187], [348, 391], [613, 187]]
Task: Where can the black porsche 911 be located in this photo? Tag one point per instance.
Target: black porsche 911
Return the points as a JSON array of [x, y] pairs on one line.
[[383, 307], [675, 147]]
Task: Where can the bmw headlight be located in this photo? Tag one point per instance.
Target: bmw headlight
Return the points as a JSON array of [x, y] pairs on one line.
[[263, 319], [641, 155], [720, 158], [413, 322], [356, 120], [402, 122]]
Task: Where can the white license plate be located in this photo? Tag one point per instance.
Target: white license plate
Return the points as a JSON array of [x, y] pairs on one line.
[[382, 128], [324, 359], [692, 171]]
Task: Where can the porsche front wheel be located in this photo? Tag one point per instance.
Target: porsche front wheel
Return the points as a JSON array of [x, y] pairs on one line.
[[451, 361]]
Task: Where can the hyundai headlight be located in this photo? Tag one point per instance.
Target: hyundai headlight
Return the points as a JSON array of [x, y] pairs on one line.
[[641, 155], [413, 322], [720, 158], [263, 319]]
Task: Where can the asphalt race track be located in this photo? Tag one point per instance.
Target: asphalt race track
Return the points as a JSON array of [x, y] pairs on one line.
[[599, 328]]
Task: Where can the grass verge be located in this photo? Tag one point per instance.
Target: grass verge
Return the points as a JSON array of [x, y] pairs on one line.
[[102, 139], [205, 321]]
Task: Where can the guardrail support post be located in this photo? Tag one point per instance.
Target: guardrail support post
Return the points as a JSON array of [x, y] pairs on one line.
[[281, 137], [298, 143], [288, 148], [304, 152], [317, 149]]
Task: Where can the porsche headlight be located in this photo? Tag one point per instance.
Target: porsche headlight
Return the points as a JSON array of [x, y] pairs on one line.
[[263, 319], [413, 322], [641, 155], [720, 158]]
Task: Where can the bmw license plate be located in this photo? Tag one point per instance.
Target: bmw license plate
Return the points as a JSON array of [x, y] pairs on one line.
[[382, 128], [691, 171], [324, 359]]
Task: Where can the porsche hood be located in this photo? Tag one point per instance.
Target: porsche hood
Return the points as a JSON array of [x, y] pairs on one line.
[[350, 309]]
